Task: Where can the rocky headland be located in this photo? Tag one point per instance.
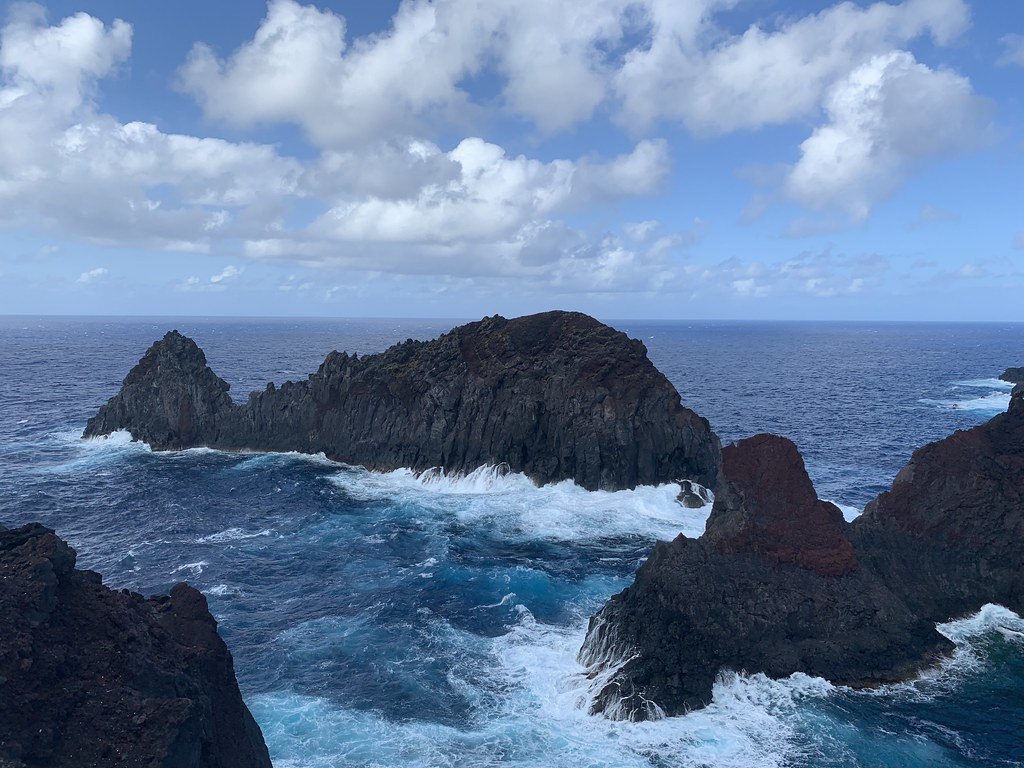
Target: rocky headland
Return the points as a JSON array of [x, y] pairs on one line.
[[92, 677], [1013, 375], [779, 583], [555, 396]]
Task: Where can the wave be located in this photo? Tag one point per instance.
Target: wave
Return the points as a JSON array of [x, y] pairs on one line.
[[509, 504], [985, 384], [993, 403], [231, 534], [528, 697]]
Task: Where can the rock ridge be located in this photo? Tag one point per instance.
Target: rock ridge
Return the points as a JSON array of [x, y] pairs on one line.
[[93, 677], [557, 395], [780, 583]]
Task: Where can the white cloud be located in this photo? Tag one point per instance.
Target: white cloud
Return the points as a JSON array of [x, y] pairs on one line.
[[230, 273], [556, 64], [821, 274], [92, 275], [888, 116], [215, 284], [1013, 50]]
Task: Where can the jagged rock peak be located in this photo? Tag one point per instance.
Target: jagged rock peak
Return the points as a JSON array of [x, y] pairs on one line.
[[765, 504], [91, 677], [557, 395]]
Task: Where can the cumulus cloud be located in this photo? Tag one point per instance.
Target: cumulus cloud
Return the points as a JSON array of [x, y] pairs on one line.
[[92, 275], [556, 64], [886, 118]]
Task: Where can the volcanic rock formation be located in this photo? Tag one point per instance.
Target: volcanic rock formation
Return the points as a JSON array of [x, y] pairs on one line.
[[780, 583], [556, 396], [1013, 375], [93, 677]]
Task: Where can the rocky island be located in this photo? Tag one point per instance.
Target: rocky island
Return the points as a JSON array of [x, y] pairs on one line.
[[555, 396], [780, 583], [93, 678]]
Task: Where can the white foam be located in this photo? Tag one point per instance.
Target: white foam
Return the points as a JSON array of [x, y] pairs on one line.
[[993, 403], [232, 534], [529, 703], [985, 384], [969, 634], [510, 505], [195, 569], [850, 512]]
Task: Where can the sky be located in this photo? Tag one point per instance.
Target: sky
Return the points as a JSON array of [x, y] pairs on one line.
[[634, 159]]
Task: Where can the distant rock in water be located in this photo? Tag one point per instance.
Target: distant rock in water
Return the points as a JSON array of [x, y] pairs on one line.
[[780, 583], [555, 396], [93, 677], [1013, 375]]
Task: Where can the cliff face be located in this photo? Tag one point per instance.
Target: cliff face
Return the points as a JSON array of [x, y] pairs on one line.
[[555, 396], [92, 677], [779, 583], [1013, 375]]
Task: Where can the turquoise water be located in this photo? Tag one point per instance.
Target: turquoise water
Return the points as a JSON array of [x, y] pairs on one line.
[[385, 619]]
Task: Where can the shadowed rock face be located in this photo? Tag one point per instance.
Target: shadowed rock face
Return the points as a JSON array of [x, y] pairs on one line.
[[92, 677], [779, 583], [1013, 375], [556, 396]]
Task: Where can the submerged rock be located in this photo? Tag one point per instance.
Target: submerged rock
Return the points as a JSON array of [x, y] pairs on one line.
[[556, 396], [780, 583], [93, 677]]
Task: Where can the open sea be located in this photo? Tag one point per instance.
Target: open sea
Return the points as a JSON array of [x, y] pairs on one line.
[[395, 620]]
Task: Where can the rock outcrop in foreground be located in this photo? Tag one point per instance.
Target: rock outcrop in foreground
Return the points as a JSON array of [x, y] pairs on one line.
[[780, 583], [556, 396], [90, 677]]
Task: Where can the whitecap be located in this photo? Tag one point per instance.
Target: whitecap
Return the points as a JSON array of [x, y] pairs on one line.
[[512, 506], [993, 403], [232, 534], [985, 384], [195, 569]]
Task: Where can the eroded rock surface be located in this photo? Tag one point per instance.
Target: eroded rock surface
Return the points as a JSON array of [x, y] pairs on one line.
[[556, 396], [780, 583], [93, 677]]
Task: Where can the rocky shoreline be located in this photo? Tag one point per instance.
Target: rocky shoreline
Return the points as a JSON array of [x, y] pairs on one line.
[[91, 677], [779, 583]]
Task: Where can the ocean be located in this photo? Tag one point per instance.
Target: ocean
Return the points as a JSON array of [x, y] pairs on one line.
[[396, 620]]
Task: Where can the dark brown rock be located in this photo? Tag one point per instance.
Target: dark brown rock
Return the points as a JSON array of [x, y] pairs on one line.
[[779, 583], [774, 585], [1013, 375], [556, 396], [93, 677]]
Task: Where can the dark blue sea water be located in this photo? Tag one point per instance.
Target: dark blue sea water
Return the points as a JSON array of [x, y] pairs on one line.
[[387, 620]]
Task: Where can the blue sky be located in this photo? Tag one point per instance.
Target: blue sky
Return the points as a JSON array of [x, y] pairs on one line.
[[718, 159]]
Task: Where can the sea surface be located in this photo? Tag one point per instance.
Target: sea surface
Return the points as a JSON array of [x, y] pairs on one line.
[[396, 620]]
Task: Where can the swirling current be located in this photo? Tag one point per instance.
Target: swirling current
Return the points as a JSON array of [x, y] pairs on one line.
[[395, 620]]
